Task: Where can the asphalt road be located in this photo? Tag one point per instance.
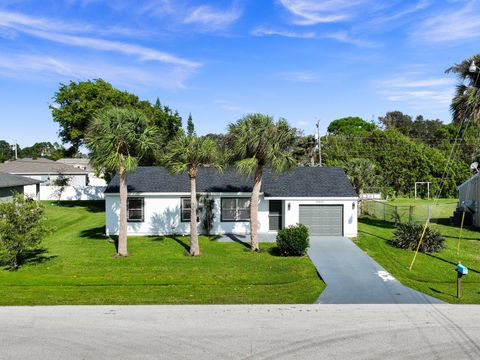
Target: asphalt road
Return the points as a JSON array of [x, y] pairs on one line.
[[241, 332]]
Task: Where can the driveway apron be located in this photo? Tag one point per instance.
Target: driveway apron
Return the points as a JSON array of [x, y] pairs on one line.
[[352, 277]]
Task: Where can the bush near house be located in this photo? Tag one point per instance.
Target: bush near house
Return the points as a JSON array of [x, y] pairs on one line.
[[294, 240], [407, 236]]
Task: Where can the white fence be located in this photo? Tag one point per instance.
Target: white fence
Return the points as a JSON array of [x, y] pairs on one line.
[[68, 192]]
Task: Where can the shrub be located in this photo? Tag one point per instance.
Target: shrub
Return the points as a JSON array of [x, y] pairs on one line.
[[293, 241], [22, 228], [407, 236]]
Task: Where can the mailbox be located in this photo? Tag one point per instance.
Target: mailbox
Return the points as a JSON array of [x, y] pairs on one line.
[[462, 269]]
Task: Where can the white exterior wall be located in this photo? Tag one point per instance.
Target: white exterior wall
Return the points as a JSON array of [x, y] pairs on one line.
[[162, 215], [68, 193], [96, 181], [74, 179], [470, 191]]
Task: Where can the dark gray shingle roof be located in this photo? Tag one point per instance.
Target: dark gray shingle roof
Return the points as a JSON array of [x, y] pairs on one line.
[[300, 182], [9, 180]]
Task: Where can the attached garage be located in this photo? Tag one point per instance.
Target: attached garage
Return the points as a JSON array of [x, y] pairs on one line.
[[322, 220]]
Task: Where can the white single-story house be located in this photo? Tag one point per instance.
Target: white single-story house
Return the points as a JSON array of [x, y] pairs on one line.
[[14, 184], [45, 170], [469, 198], [158, 203], [84, 164]]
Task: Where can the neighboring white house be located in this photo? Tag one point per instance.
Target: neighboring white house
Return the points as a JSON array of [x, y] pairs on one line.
[[469, 198], [158, 203], [47, 172], [84, 164], [12, 184]]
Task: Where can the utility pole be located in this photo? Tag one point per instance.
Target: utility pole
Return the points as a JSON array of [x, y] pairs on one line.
[[319, 144], [15, 150]]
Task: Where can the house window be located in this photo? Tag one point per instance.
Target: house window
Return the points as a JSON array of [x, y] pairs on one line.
[[186, 209], [235, 209], [135, 209]]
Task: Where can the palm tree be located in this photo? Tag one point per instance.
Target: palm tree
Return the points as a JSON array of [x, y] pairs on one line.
[[254, 142], [361, 173], [117, 139], [466, 101], [186, 154]]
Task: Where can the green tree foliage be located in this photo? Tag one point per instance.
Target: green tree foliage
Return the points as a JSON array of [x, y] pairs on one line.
[[186, 154], [304, 149], [423, 130], [255, 142], [77, 103], [399, 161], [43, 149], [22, 228], [118, 139], [350, 126], [466, 101], [190, 126], [361, 173], [5, 151]]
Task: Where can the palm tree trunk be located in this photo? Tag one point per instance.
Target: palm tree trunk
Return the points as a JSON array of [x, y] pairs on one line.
[[194, 247], [122, 233], [254, 208]]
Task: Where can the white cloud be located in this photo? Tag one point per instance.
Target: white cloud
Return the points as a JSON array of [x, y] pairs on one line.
[[421, 93], [299, 76], [143, 53], [340, 36], [59, 32], [451, 25], [202, 18], [42, 67], [212, 18], [261, 31], [18, 21], [311, 12], [227, 105], [345, 37]]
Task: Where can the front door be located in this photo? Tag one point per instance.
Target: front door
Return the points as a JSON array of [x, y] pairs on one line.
[[275, 215]]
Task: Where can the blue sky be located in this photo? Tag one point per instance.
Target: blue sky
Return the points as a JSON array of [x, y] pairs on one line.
[[299, 59]]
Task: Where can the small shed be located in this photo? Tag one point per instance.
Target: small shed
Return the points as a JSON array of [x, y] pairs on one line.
[[11, 184]]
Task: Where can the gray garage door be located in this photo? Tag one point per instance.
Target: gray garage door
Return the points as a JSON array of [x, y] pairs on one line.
[[322, 219]]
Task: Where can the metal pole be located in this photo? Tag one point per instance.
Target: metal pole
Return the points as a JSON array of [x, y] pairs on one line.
[[459, 285], [319, 144], [415, 191]]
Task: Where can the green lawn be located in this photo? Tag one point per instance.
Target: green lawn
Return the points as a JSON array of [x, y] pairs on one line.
[[77, 267], [433, 274], [407, 208]]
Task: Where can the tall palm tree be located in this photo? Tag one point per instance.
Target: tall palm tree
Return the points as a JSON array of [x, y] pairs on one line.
[[117, 139], [466, 101], [186, 154], [255, 142]]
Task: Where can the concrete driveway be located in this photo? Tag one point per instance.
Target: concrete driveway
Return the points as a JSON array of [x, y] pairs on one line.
[[353, 277]]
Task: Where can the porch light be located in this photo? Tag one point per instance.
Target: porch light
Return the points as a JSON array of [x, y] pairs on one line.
[[353, 205], [288, 206]]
